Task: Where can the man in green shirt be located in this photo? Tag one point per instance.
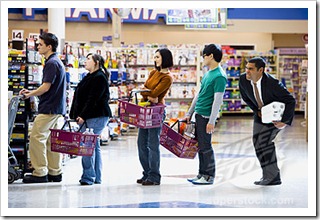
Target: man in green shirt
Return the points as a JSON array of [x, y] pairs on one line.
[[206, 105]]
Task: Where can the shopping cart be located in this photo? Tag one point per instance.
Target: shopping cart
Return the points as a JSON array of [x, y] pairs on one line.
[[140, 116], [14, 171], [72, 142], [182, 145]]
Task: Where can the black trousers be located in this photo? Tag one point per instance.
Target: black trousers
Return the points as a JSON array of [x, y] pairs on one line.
[[207, 165], [263, 141]]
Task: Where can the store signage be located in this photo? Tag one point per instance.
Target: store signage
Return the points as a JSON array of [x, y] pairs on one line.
[[192, 16], [292, 51], [305, 38], [34, 36], [107, 38], [137, 15], [198, 19], [205, 26], [17, 35]]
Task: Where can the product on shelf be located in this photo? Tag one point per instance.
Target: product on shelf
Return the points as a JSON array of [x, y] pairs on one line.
[[293, 71]]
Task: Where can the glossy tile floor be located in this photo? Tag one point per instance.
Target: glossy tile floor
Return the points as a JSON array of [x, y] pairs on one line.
[[237, 169]]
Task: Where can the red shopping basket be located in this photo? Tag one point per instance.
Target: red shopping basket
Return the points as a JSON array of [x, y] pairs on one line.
[[74, 143], [139, 116], [180, 145]]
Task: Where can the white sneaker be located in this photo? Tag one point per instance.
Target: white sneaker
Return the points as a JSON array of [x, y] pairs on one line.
[[194, 178], [203, 181]]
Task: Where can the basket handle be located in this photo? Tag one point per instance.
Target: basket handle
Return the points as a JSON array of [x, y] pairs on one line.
[[181, 121], [69, 125], [135, 91]]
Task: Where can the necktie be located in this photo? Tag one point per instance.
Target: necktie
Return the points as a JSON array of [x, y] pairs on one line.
[[256, 92]]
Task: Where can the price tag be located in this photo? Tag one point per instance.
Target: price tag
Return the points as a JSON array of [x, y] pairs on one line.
[[17, 35]]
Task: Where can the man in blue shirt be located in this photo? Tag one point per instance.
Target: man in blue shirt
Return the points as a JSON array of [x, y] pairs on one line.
[[52, 105], [206, 105]]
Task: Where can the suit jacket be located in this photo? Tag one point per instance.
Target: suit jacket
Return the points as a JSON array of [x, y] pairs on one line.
[[272, 90]]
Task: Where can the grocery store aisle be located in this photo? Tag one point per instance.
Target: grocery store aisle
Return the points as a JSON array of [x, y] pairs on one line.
[[237, 169]]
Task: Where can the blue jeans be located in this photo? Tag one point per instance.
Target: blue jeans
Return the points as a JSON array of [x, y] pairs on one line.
[[92, 165], [149, 152], [206, 154]]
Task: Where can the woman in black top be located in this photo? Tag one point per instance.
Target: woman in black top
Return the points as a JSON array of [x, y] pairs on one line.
[[91, 105]]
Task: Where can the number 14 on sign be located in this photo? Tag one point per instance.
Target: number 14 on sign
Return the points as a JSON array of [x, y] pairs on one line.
[[17, 35]]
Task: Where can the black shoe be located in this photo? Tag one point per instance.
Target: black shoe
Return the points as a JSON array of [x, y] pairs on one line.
[[35, 179], [84, 184], [267, 182], [140, 181], [149, 183], [258, 182], [57, 178]]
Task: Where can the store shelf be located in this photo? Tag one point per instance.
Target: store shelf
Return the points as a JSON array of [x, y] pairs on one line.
[[235, 88], [237, 112], [21, 74], [293, 73], [178, 99], [187, 83], [152, 65], [232, 99]]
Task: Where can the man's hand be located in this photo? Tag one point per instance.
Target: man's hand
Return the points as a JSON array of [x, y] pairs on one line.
[[279, 124], [210, 128], [25, 93]]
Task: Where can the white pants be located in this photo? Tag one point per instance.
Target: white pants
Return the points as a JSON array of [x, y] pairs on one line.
[[43, 160]]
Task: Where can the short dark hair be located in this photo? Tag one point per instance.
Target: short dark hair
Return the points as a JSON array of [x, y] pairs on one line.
[[258, 62], [50, 39], [215, 50], [167, 59]]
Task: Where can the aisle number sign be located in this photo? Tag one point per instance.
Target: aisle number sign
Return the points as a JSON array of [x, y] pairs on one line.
[[17, 35], [34, 36]]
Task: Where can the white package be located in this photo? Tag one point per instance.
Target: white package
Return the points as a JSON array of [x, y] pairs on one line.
[[272, 112]]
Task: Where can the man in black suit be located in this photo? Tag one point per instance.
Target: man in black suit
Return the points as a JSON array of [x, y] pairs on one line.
[[257, 89]]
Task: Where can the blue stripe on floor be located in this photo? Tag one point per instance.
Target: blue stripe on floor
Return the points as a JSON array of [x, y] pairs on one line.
[[169, 204]]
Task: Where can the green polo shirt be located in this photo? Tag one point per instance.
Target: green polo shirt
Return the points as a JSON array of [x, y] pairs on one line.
[[213, 81]]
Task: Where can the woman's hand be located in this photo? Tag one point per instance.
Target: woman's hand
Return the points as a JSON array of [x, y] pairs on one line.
[[79, 120], [153, 100]]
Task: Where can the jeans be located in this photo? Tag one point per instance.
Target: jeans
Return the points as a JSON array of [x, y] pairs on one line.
[[92, 165], [149, 153], [206, 154]]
